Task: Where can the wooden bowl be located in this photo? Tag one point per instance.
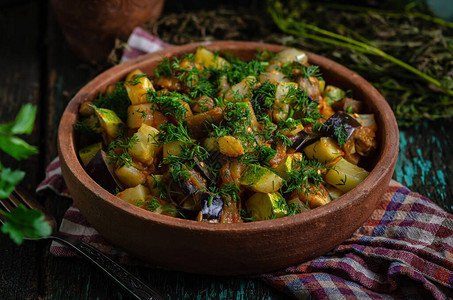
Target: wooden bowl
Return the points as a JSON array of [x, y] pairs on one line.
[[227, 249]]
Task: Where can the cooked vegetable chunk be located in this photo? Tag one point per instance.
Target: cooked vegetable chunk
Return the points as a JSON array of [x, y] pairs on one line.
[[324, 150], [102, 172], [87, 153], [145, 147], [261, 179], [264, 206], [345, 176], [340, 127], [110, 122], [137, 86], [134, 195]]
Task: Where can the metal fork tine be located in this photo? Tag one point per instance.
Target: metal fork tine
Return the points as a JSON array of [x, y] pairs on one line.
[[28, 200], [7, 205]]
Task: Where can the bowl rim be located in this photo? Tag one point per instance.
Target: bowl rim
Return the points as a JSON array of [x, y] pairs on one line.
[[68, 151]]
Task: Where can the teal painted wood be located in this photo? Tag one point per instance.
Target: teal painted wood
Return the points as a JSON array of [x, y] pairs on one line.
[[425, 161]]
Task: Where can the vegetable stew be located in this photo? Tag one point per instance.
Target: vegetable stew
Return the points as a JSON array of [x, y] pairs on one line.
[[213, 138]]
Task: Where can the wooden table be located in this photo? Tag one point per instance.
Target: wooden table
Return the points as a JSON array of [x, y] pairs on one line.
[[37, 67]]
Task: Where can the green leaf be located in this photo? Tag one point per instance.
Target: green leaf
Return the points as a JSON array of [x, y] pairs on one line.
[[16, 147], [25, 223], [24, 120], [23, 124], [8, 180]]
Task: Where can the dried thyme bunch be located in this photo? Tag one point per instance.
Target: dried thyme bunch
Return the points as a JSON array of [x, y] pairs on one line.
[[408, 33]]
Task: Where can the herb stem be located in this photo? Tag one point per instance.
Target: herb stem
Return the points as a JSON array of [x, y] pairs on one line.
[[287, 23]]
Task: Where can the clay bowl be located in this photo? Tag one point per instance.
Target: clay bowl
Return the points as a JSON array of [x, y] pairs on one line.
[[227, 249]]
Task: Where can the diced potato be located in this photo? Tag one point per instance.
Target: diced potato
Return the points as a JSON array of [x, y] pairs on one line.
[[134, 195], [130, 175], [207, 58], [241, 90], [173, 148], [202, 103], [153, 182], [345, 176], [145, 148], [87, 153], [285, 167], [137, 86], [260, 179], [230, 146], [315, 196], [264, 206], [324, 150], [273, 76], [282, 100], [290, 55], [366, 120], [137, 114], [110, 122]]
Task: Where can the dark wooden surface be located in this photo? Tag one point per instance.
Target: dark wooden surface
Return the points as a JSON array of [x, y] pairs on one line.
[[37, 67]]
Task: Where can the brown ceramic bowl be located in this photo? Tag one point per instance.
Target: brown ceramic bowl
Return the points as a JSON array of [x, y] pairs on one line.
[[227, 249]]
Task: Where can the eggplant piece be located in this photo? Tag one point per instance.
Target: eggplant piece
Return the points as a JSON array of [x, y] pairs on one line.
[[101, 172], [211, 206], [184, 191], [301, 140], [200, 166], [340, 126]]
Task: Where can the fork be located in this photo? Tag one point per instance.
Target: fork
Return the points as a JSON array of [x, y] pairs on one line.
[[125, 279]]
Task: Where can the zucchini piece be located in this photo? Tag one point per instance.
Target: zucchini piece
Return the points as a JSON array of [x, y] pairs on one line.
[[260, 179], [241, 90], [88, 152], [145, 148], [324, 150], [110, 122], [285, 167], [137, 114], [334, 192], [264, 206], [334, 94], [137, 86], [366, 120], [282, 100], [345, 176], [134, 195]]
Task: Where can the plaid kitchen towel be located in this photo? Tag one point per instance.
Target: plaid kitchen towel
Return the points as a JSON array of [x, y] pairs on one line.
[[403, 251]]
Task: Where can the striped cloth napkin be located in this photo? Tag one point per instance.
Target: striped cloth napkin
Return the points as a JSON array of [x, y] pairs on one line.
[[403, 251]]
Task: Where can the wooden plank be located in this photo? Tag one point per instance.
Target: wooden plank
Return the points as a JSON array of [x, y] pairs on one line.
[[19, 84], [425, 161]]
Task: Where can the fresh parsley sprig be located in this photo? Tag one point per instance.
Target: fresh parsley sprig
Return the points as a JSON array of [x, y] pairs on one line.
[[20, 222]]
